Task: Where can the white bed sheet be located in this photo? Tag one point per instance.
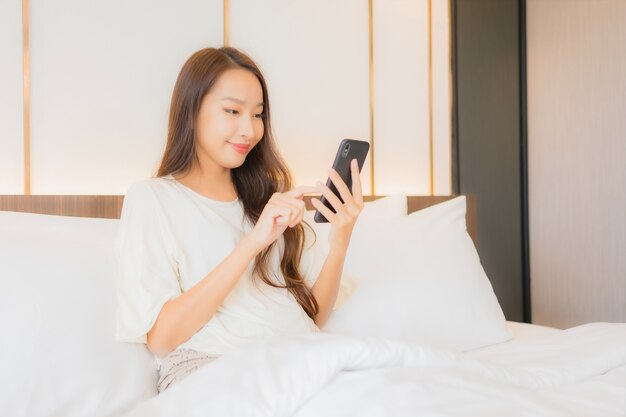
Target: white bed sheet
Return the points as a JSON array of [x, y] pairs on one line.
[[575, 372]]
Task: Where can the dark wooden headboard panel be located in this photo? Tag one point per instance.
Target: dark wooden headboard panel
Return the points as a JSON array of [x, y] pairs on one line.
[[110, 206]]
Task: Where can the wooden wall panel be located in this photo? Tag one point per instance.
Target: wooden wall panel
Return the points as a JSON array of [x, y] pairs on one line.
[[577, 160]]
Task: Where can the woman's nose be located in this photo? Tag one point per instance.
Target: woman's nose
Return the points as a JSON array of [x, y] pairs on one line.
[[245, 127]]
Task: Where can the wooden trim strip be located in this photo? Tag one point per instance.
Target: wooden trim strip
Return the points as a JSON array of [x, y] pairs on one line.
[[226, 23], [430, 97], [26, 91], [450, 91], [371, 86], [110, 206]]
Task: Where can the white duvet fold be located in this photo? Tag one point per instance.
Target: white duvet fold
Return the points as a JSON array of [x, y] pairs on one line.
[[278, 377]]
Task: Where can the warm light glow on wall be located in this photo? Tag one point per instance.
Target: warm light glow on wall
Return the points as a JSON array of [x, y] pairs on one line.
[[400, 52]]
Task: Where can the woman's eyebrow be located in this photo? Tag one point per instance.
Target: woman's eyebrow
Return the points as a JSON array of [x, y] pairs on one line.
[[236, 100]]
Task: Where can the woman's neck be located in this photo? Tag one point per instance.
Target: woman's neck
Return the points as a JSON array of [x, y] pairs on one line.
[[213, 183]]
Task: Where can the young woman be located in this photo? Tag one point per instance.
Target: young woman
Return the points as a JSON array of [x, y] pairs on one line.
[[212, 252]]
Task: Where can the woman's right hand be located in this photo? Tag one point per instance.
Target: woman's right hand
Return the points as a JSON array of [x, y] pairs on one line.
[[281, 211]]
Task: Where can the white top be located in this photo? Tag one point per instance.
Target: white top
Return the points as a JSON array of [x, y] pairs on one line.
[[170, 237]]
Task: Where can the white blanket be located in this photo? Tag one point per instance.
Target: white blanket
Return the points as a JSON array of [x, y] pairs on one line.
[[576, 372]]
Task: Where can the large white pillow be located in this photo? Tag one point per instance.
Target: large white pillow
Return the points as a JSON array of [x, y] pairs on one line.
[[390, 207], [57, 314], [383, 209], [419, 278]]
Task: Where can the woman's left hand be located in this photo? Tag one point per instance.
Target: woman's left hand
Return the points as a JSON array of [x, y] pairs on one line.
[[346, 213]]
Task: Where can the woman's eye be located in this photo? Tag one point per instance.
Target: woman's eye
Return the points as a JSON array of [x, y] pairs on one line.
[[232, 111]]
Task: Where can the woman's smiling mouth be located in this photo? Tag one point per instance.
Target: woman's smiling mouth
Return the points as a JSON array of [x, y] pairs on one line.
[[240, 147]]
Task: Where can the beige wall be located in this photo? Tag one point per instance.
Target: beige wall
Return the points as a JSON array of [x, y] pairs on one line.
[[11, 151], [577, 160], [102, 74]]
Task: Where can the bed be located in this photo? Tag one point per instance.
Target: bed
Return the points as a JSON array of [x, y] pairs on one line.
[[416, 330]]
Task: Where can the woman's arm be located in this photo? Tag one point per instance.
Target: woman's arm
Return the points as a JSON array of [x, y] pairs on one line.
[[342, 223], [182, 317], [326, 286]]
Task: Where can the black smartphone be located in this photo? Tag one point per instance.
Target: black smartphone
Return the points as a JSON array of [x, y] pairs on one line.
[[349, 149]]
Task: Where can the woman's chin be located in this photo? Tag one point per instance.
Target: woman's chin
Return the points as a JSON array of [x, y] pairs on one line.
[[233, 163]]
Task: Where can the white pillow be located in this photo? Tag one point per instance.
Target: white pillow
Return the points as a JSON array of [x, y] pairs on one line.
[[58, 304], [389, 207], [382, 209], [420, 279]]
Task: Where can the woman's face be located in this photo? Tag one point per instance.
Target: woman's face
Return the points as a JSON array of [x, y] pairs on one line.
[[230, 120]]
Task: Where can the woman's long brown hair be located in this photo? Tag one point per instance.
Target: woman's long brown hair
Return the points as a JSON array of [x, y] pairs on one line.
[[263, 173]]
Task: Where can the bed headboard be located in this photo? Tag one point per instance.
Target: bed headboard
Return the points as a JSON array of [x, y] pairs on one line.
[[110, 206]]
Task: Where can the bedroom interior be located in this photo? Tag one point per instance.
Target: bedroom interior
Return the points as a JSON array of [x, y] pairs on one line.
[[486, 273]]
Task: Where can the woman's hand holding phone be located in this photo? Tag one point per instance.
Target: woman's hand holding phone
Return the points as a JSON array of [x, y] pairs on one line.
[[281, 211], [346, 213]]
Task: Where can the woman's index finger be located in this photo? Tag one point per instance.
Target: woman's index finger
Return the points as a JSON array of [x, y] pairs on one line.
[[357, 192], [302, 190]]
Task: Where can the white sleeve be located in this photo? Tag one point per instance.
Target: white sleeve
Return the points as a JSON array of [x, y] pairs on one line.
[[147, 272]]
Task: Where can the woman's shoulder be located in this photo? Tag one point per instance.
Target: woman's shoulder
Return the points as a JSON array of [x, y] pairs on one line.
[[144, 205], [146, 195], [148, 186]]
